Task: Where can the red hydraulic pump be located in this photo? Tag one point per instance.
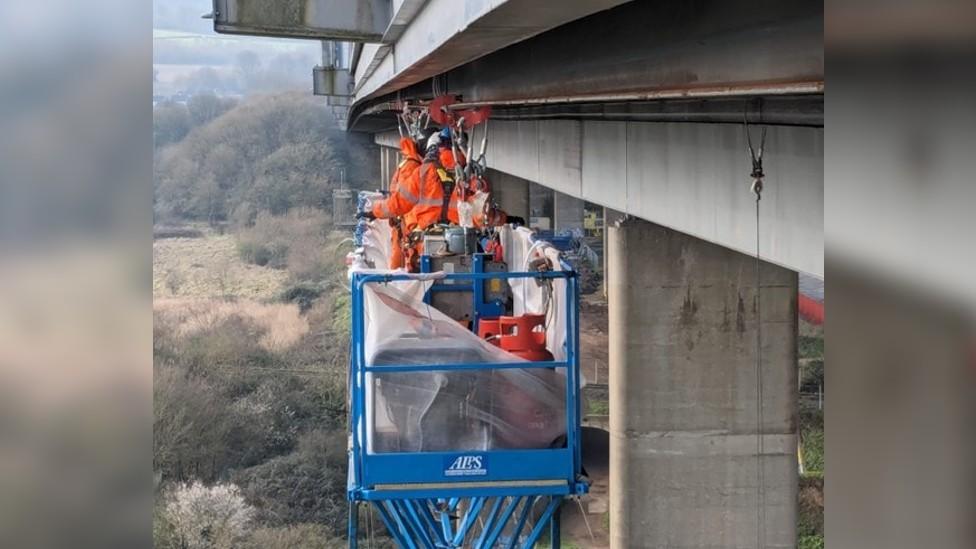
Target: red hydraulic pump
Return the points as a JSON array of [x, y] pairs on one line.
[[523, 336]]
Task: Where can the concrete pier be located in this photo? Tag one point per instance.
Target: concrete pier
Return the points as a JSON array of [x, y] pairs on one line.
[[511, 193], [683, 394], [568, 212]]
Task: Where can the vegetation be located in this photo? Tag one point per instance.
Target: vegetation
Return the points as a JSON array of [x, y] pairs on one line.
[[810, 528], [200, 268], [252, 395], [250, 324], [173, 121], [251, 328], [811, 347], [270, 154], [597, 407], [810, 542], [812, 439], [196, 516]]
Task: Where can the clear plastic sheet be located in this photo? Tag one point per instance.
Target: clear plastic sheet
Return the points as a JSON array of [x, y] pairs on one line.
[[458, 410], [450, 410]]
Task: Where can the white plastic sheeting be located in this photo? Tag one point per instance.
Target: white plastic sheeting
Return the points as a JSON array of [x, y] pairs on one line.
[[458, 410], [376, 239], [441, 410], [530, 297]]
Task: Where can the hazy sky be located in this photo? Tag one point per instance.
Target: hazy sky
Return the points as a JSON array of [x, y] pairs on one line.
[[184, 45]]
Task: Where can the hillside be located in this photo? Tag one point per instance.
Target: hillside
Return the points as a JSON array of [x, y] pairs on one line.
[[251, 328]]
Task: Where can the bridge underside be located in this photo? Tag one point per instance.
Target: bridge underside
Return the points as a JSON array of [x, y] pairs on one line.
[[637, 51], [639, 107], [691, 177]]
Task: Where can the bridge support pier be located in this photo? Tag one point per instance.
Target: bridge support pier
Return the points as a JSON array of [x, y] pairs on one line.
[[610, 218], [389, 159], [511, 193], [568, 212], [683, 394]]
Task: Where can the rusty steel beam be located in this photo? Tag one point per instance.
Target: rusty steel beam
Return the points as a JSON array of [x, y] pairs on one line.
[[644, 51], [351, 20], [738, 90]]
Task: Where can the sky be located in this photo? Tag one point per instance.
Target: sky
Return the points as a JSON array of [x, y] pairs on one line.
[[188, 54]]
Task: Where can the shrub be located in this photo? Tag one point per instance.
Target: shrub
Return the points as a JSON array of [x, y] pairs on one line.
[[812, 439], [294, 536], [190, 422], [301, 294], [278, 258], [207, 517], [293, 241], [176, 232], [811, 506], [224, 350], [221, 401], [164, 534], [810, 542], [811, 375], [810, 347], [253, 252], [342, 316], [307, 485]]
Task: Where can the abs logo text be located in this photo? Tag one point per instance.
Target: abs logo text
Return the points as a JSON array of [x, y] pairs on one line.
[[466, 465]]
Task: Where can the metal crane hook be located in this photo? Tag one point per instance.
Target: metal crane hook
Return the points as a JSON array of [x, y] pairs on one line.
[[756, 157]]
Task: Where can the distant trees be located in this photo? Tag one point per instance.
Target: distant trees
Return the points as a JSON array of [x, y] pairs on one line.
[[173, 121], [205, 107], [270, 154]]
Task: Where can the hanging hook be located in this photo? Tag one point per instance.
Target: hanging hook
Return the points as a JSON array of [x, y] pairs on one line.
[[484, 146], [755, 156], [469, 151]]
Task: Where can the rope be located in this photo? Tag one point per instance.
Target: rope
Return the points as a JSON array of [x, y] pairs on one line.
[[586, 520], [757, 175], [760, 423]]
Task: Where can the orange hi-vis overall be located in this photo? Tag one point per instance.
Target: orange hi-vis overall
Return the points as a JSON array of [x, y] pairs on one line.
[[421, 201], [396, 207]]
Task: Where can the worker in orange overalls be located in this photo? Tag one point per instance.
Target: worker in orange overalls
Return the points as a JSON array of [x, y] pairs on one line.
[[396, 207], [431, 198], [437, 177]]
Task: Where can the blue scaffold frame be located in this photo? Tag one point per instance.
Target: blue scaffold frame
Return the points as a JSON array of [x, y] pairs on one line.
[[421, 506], [480, 308]]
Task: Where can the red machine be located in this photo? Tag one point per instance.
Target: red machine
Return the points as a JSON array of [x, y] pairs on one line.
[[441, 112], [523, 336]]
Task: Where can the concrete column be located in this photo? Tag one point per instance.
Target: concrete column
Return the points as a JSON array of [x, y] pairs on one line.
[[511, 193], [384, 168], [389, 159], [610, 218], [568, 212], [540, 205], [683, 394]]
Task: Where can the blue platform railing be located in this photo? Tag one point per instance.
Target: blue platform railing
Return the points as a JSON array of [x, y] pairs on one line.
[[413, 492]]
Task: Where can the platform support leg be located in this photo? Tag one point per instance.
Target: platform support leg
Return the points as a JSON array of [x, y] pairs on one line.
[[353, 532], [554, 526]]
